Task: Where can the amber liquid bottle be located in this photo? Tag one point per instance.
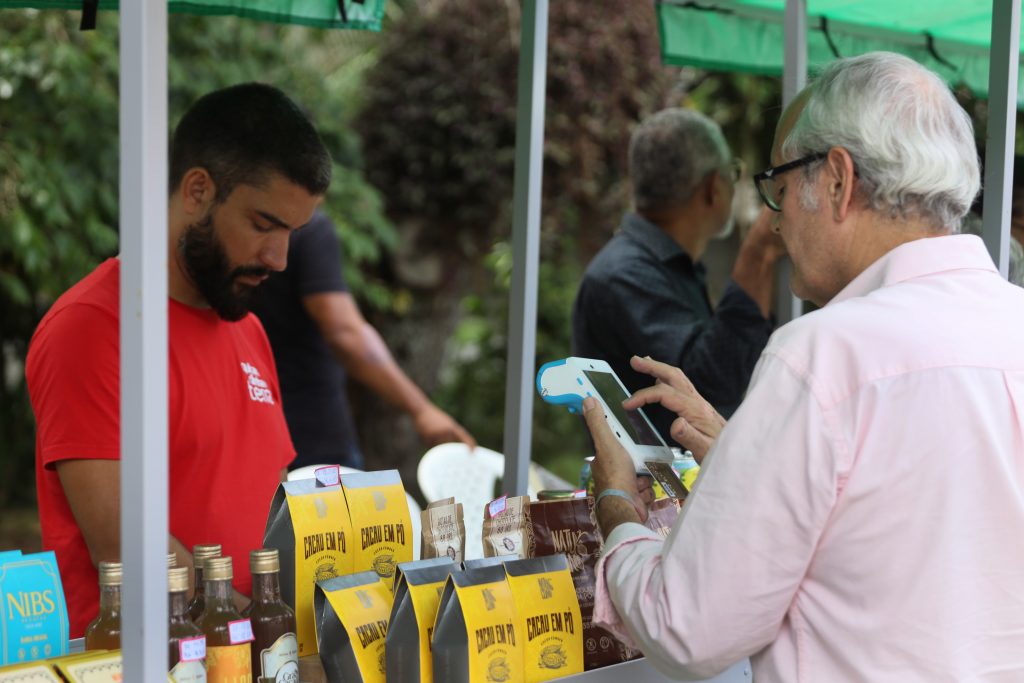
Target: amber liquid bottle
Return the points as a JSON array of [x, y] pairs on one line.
[[172, 561], [228, 635], [200, 554], [275, 651], [186, 644], [104, 633]]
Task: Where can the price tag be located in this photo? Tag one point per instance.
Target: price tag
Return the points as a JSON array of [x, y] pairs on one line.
[[328, 476], [496, 507], [192, 649], [240, 631]]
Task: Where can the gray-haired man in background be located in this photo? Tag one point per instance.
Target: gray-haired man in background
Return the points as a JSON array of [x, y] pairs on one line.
[[645, 293]]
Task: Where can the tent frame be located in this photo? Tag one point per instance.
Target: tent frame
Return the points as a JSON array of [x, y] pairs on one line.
[[143, 185]]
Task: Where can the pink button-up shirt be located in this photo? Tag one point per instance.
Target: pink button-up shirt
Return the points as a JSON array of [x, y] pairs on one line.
[[861, 517]]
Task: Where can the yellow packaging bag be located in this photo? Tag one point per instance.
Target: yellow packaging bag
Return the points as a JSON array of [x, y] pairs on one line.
[[476, 639], [548, 617], [352, 626], [381, 524], [418, 589], [104, 667], [28, 673], [310, 527]]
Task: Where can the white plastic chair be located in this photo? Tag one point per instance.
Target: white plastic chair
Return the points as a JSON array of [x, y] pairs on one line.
[[414, 507], [451, 470]]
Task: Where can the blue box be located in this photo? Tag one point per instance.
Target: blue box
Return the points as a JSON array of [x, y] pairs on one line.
[[34, 622]]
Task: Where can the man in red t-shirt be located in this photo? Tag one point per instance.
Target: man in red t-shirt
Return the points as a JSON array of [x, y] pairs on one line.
[[246, 169]]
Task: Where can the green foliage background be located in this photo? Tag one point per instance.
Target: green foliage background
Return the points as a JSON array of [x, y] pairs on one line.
[[59, 161]]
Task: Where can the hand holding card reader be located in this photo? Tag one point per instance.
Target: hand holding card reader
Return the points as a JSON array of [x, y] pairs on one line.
[[567, 382]]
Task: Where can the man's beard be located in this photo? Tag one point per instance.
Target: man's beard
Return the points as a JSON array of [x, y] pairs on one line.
[[207, 266]]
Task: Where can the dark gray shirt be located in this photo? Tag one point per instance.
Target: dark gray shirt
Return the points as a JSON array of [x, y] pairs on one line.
[[643, 295]]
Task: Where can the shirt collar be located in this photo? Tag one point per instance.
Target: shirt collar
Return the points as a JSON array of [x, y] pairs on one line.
[[926, 256], [652, 238]]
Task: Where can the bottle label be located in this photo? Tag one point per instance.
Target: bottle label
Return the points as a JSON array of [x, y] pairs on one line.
[[192, 649], [188, 672], [229, 664], [240, 631], [280, 661]]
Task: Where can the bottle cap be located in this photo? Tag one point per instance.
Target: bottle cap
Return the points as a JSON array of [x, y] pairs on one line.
[[177, 579], [264, 561], [201, 552], [217, 569], [110, 573]]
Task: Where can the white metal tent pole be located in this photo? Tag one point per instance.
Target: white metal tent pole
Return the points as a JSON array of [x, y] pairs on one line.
[[522, 313], [1004, 60], [143, 229], [794, 78]]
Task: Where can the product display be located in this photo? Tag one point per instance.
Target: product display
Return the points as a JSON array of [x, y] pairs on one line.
[[506, 527], [310, 527], [186, 643], [34, 614], [228, 634], [547, 617], [418, 589], [475, 636], [444, 530], [275, 649], [104, 632], [661, 515], [200, 554], [570, 527], [381, 525], [352, 615]]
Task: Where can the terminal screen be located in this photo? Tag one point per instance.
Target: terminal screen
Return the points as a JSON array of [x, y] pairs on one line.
[[613, 394]]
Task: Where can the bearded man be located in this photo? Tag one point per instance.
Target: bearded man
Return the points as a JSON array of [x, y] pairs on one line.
[[247, 168]]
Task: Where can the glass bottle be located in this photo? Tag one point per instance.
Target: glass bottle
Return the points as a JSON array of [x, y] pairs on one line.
[[200, 554], [228, 635], [104, 633], [172, 561], [275, 651], [186, 644]]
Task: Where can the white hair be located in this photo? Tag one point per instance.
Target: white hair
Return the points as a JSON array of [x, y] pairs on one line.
[[911, 142]]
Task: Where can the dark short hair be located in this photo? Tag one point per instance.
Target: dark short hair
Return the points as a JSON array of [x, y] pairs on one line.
[[242, 135]]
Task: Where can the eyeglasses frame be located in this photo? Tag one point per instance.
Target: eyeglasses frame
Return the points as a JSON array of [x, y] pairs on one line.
[[773, 171]]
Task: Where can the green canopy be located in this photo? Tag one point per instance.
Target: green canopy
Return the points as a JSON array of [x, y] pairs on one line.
[[366, 14], [950, 37]]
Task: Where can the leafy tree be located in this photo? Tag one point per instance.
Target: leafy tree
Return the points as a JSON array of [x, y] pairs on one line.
[[59, 161], [439, 130]]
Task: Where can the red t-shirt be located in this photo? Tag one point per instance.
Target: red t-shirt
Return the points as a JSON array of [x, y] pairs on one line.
[[228, 437]]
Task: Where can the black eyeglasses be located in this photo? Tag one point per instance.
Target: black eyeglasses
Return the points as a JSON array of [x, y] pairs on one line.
[[765, 180]]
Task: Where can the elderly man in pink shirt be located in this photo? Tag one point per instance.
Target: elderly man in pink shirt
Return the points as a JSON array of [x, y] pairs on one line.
[[861, 517]]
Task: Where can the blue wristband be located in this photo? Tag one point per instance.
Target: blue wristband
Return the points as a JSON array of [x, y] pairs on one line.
[[618, 493]]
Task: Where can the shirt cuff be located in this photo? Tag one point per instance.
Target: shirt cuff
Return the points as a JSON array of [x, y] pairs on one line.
[[605, 614]]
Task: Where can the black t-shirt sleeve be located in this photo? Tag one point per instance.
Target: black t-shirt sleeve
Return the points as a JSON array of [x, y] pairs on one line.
[[315, 258]]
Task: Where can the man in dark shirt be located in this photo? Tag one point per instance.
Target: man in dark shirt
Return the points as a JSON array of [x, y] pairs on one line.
[[317, 333], [645, 293]]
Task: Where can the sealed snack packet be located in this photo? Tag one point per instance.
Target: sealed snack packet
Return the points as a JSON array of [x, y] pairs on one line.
[[380, 520], [309, 526], [352, 625], [570, 527], [661, 515], [444, 530], [418, 589], [548, 617], [506, 527], [475, 636]]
